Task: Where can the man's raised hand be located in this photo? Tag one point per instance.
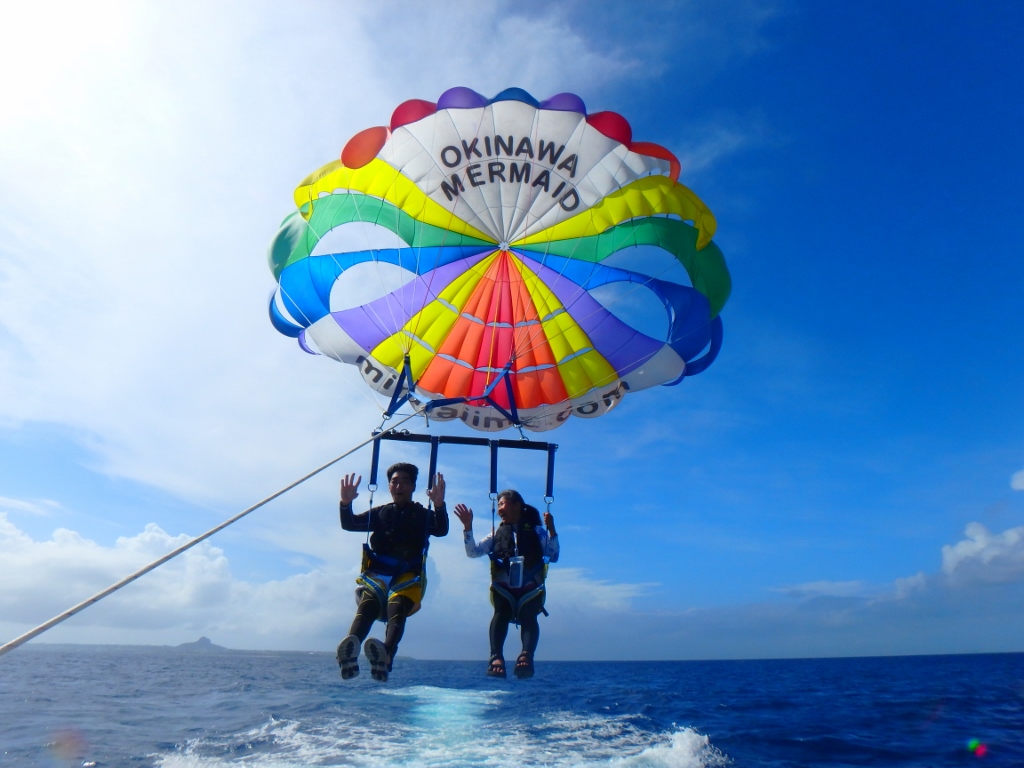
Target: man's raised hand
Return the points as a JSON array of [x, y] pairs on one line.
[[350, 488], [436, 493]]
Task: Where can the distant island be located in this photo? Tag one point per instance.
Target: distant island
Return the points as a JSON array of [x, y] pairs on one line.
[[202, 645]]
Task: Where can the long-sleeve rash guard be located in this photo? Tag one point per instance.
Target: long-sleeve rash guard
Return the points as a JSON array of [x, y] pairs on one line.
[[548, 544]]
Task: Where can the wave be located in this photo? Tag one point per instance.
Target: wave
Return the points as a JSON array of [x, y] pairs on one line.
[[423, 726]]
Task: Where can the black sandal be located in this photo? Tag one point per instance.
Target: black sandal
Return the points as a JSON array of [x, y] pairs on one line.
[[497, 667], [524, 666]]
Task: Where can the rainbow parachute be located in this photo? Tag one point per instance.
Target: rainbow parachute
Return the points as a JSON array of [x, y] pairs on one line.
[[503, 257]]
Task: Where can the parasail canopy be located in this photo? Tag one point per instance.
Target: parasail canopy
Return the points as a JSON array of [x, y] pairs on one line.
[[502, 260]]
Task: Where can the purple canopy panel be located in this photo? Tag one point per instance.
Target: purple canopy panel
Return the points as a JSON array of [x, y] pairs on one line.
[[460, 98], [565, 102], [625, 348], [371, 323], [304, 344]]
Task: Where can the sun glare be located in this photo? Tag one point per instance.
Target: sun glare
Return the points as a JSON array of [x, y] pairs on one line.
[[43, 46]]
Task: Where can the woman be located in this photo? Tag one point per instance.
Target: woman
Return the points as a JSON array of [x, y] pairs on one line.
[[520, 550]]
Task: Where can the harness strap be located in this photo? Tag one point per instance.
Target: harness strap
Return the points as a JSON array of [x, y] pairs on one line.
[[549, 494], [383, 596], [528, 575], [389, 566], [517, 605], [378, 592], [405, 584], [494, 467], [434, 442]]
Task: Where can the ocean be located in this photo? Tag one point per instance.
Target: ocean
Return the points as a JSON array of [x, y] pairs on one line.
[[114, 707]]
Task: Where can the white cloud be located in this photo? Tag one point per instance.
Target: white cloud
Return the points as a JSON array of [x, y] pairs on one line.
[[1017, 481], [197, 593], [970, 605], [825, 589], [575, 586], [194, 594], [428, 53], [716, 142], [984, 557], [41, 507], [906, 586], [71, 35]]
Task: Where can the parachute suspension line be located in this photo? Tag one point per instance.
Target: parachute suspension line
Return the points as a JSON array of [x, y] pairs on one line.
[[495, 310], [582, 290], [375, 260], [692, 367], [377, 263], [418, 314], [309, 321], [170, 555]]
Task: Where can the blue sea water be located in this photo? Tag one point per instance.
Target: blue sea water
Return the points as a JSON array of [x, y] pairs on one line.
[[119, 706]]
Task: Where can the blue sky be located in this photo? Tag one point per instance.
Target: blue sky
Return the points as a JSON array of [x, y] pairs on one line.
[[847, 478]]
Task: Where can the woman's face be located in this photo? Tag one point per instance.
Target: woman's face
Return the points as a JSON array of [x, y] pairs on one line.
[[509, 510]]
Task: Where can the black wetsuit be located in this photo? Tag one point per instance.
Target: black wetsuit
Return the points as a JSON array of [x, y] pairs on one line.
[[398, 536]]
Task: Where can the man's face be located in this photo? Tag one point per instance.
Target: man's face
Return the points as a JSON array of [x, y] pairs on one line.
[[401, 487], [509, 510]]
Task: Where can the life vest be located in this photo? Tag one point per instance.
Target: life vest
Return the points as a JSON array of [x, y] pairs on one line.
[[399, 540], [521, 539]]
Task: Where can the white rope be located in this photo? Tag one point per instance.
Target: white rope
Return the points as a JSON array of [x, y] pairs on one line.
[[156, 563]]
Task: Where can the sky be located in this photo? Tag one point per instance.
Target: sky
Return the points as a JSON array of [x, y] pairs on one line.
[[846, 479]]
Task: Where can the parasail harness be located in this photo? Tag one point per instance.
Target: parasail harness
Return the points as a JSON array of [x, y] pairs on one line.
[[370, 557]]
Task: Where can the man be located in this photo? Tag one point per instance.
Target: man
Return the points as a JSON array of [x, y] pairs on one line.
[[393, 579], [520, 550]]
